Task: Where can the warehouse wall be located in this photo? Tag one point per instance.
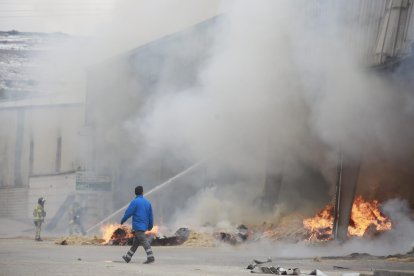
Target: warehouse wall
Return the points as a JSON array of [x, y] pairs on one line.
[[45, 140]]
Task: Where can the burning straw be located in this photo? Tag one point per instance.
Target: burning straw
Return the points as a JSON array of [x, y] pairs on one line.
[[366, 219]]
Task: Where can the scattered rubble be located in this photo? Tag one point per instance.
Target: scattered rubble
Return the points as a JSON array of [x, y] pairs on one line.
[[258, 266], [257, 262], [79, 240], [241, 235], [276, 270]]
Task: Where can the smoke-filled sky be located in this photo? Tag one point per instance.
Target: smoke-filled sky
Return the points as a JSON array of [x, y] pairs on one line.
[[140, 20]]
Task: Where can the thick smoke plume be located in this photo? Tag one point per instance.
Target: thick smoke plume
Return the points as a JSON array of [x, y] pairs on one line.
[[284, 91], [285, 87]]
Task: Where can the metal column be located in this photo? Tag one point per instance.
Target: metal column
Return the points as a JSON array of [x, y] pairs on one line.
[[347, 180]]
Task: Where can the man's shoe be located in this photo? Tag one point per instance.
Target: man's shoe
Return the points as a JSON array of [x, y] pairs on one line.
[[126, 259], [149, 260], [38, 239]]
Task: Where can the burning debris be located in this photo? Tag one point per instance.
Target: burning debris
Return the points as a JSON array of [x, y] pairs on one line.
[[240, 236], [366, 220], [180, 236], [121, 236], [115, 234]]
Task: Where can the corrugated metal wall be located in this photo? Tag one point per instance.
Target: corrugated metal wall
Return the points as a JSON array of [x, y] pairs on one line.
[[376, 29]]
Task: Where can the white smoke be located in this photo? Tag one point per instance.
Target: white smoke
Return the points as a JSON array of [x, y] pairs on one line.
[[283, 87]]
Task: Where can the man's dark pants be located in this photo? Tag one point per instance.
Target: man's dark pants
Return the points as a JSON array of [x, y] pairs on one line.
[[140, 239]]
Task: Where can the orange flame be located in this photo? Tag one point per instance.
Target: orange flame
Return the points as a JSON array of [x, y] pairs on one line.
[[320, 226], [153, 231], [365, 214], [108, 230]]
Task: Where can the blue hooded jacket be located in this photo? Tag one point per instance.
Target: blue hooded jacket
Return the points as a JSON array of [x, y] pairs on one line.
[[141, 211]]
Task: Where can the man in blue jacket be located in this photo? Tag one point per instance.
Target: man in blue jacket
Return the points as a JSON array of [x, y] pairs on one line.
[[142, 220]]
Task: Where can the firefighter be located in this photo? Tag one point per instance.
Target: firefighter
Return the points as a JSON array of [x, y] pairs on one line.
[[75, 220], [39, 215], [142, 220]]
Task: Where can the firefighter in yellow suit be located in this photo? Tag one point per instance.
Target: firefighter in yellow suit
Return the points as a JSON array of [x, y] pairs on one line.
[[39, 216]]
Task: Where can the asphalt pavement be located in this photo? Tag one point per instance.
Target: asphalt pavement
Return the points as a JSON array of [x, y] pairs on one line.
[[24, 256]]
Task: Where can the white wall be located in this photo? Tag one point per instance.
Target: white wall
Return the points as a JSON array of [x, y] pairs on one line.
[[13, 203], [7, 147], [54, 189]]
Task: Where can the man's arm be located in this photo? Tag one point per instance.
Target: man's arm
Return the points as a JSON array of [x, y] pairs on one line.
[[128, 212], [150, 218]]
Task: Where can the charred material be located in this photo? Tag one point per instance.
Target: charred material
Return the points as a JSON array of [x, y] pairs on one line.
[[124, 236], [180, 236], [240, 236]]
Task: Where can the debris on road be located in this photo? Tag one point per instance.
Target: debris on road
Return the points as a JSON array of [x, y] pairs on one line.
[[242, 234], [275, 270], [256, 262], [340, 267], [317, 272], [78, 240], [258, 266]]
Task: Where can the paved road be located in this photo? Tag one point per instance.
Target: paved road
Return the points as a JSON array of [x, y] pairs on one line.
[[27, 257]]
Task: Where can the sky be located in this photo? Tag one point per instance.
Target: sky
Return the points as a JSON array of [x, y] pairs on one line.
[[75, 17], [98, 17]]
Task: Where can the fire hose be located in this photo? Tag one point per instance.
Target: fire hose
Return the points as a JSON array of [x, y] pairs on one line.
[[156, 188]]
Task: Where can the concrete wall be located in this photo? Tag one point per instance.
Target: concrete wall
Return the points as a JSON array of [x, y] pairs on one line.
[[7, 146], [54, 189], [57, 189]]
